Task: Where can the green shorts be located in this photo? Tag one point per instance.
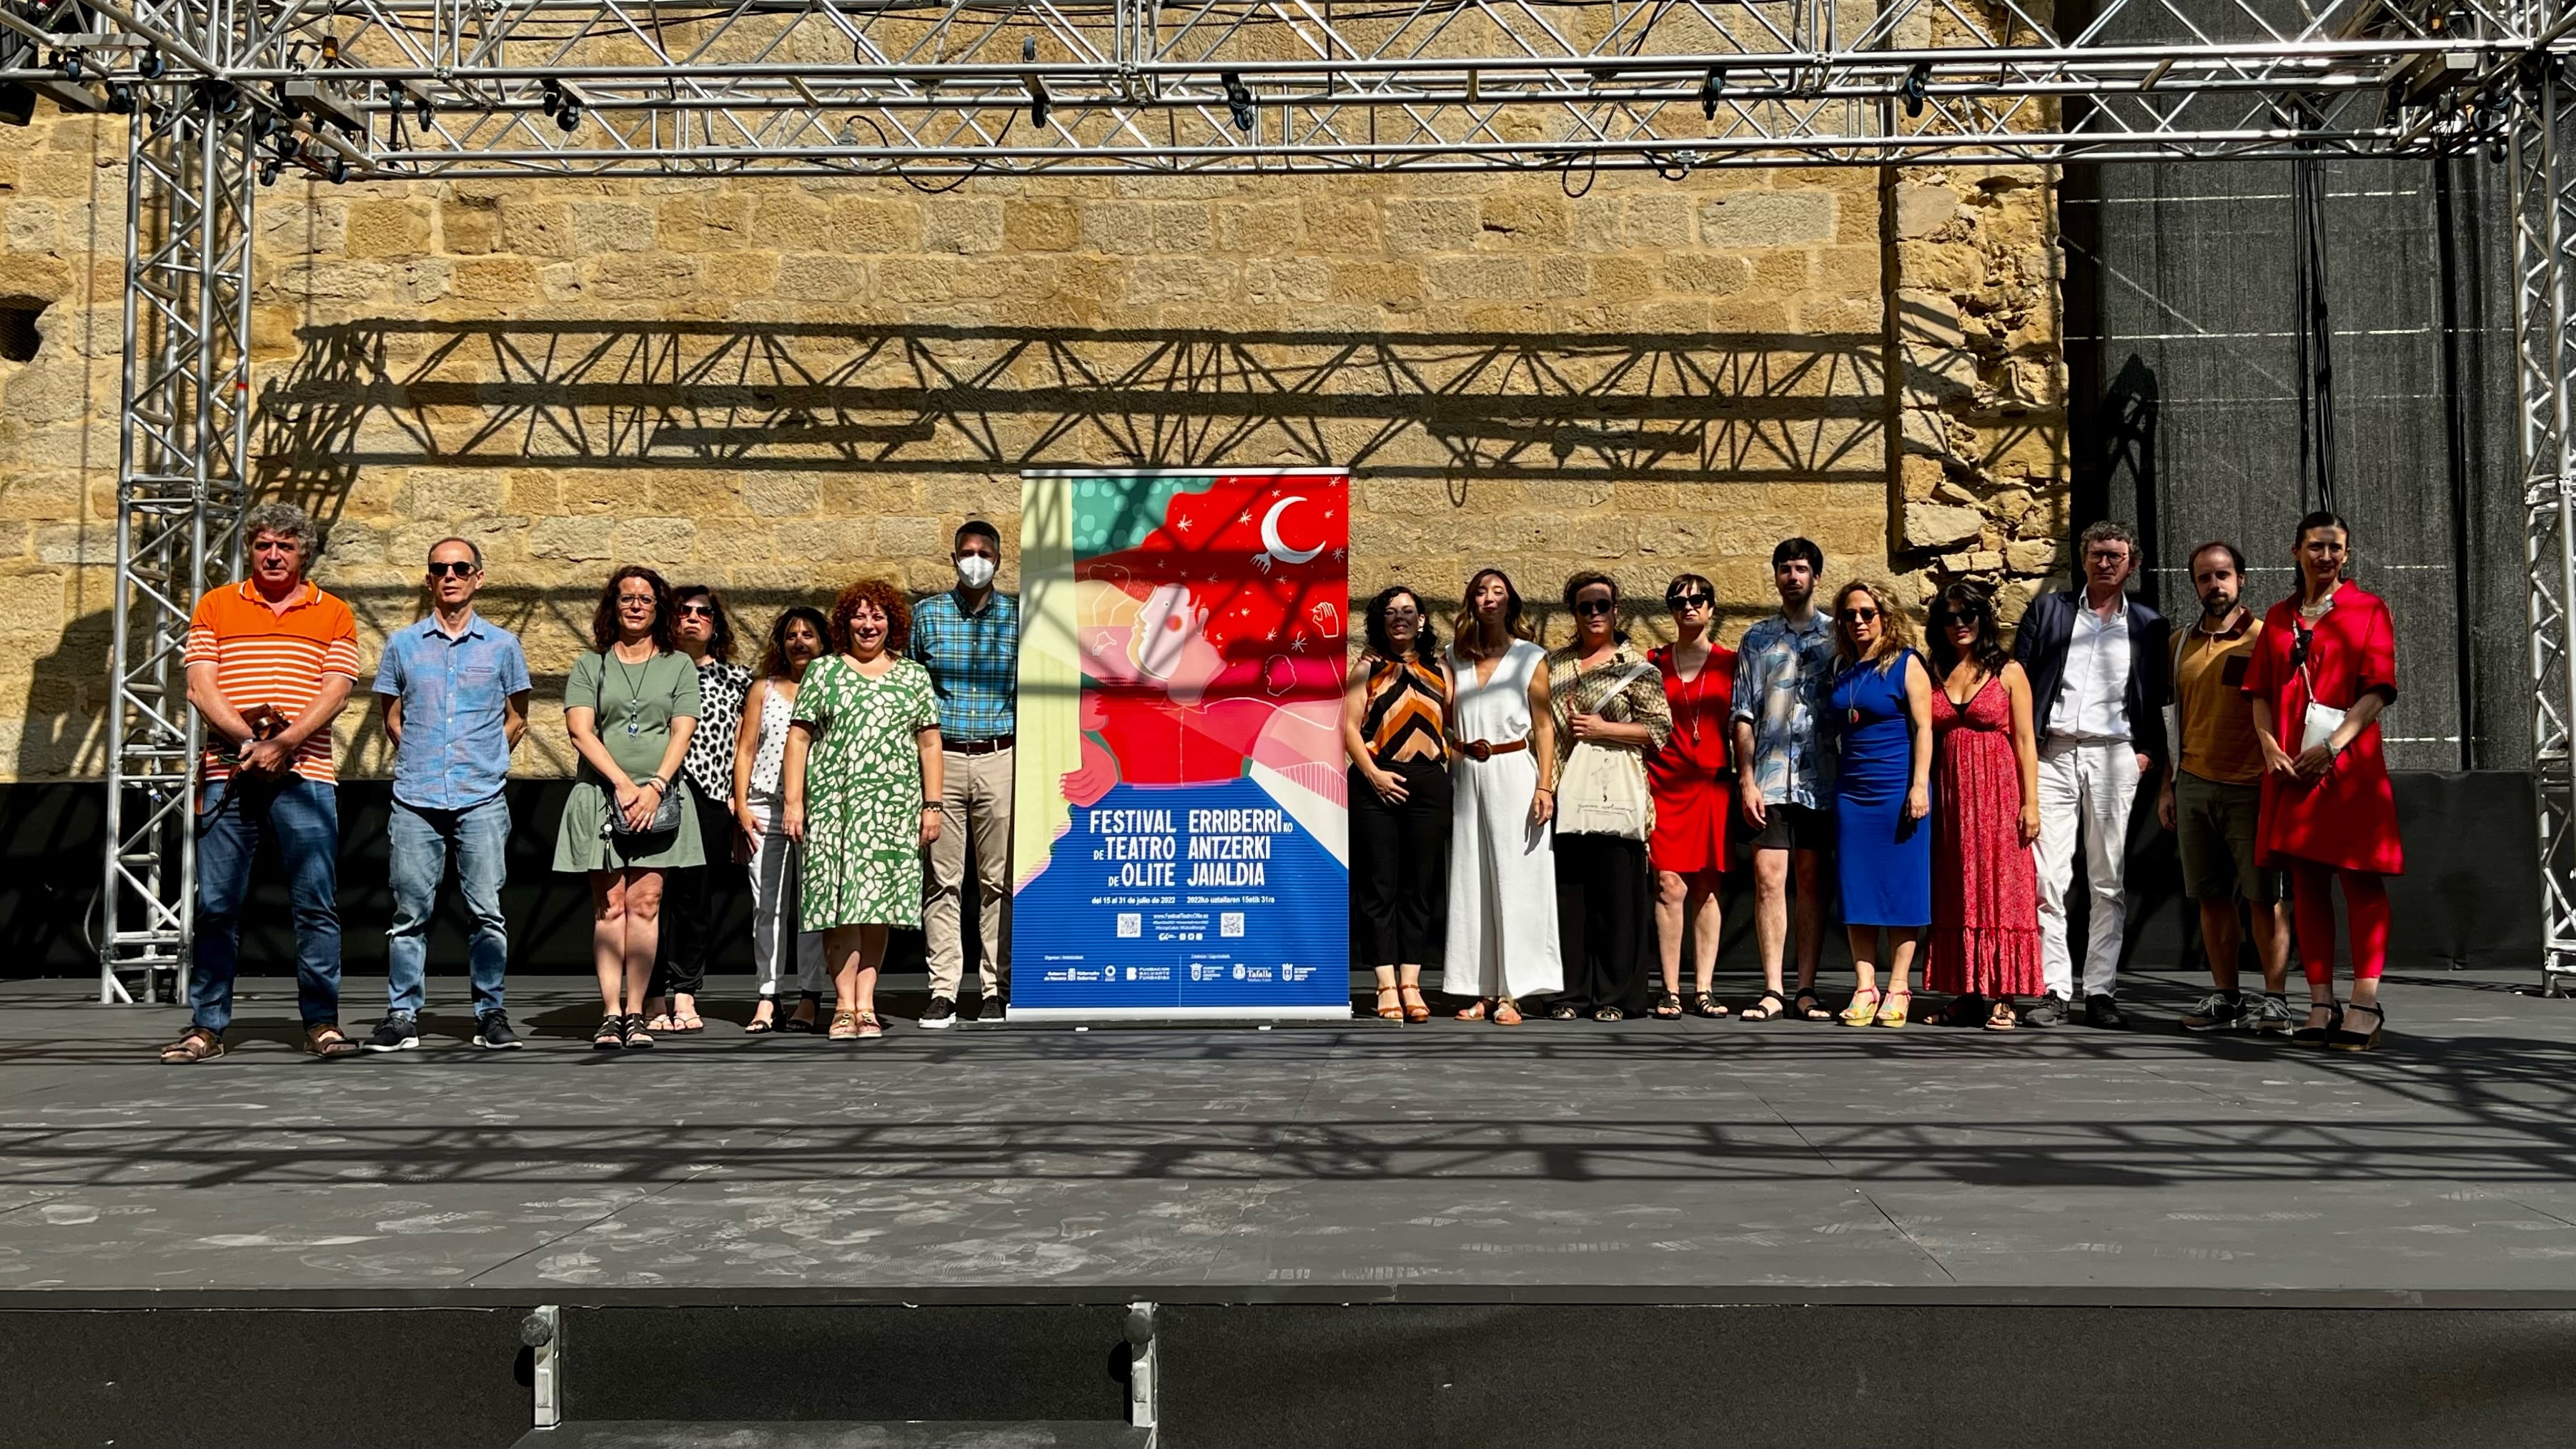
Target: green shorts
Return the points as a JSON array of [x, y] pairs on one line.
[[2215, 826]]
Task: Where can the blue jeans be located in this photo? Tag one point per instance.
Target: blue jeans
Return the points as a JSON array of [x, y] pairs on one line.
[[303, 819], [478, 837]]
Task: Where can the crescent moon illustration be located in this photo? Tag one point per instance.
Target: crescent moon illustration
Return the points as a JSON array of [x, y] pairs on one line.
[[1270, 534]]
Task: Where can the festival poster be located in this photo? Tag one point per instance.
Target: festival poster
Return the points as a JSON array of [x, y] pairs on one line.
[[1180, 843]]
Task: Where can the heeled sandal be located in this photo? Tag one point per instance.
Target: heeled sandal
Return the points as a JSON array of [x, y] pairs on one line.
[[2358, 1041], [1857, 1014], [1893, 1007], [1386, 1012], [2317, 1036], [1416, 1011]]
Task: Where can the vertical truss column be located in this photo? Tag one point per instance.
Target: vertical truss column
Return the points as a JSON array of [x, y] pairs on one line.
[[179, 498]]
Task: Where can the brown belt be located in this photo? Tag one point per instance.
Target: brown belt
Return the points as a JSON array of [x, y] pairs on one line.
[[977, 747], [1486, 750]]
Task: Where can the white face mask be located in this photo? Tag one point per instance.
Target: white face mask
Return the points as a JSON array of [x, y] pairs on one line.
[[974, 571]]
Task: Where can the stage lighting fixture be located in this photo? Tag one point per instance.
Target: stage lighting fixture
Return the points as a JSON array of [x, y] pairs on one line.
[[1708, 90], [1238, 99], [324, 101], [1916, 80], [149, 65], [1039, 102]]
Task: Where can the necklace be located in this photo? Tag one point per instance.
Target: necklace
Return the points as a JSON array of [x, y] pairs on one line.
[[1693, 689], [634, 692]]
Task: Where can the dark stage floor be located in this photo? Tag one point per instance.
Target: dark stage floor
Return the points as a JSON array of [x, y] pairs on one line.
[[1696, 1161]]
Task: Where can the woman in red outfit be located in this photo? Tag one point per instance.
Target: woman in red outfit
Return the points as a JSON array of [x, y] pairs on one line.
[[1689, 780], [2327, 809], [1985, 814]]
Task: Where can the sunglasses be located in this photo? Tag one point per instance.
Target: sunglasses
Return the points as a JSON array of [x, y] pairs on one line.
[[456, 569], [1590, 607], [1859, 616], [1688, 601], [706, 611]]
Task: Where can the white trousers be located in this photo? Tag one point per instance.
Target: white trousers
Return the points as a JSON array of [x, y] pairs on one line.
[[2091, 785], [775, 901]]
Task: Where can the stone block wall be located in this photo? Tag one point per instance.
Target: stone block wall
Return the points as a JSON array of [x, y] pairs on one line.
[[778, 385]]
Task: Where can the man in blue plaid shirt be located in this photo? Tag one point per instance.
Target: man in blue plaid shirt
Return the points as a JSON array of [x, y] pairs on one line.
[[969, 640]]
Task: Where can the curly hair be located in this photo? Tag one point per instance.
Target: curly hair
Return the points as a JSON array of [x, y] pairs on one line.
[[1426, 644], [886, 596], [603, 620], [1895, 627]]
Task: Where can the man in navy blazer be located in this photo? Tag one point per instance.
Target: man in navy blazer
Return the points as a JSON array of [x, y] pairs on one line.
[[2100, 665]]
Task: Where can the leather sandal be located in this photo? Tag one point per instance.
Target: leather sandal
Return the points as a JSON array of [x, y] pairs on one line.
[[194, 1045], [1475, 1010], [1810, 1006], [323, 1039], [845, 1026], [1704, 1004], [2317, 1036], [1389, 1010], [1771, 1004], [1667, 1007], [2346, 1040], [869, 1027], [639, 1037], [1416, 1010], [611, 1035], [1507, 1012]]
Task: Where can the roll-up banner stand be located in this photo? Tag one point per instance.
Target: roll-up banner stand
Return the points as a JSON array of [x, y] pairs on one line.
[[1180, 842]]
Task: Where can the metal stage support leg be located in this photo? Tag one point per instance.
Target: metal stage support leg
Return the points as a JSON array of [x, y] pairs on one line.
[[180, 479]]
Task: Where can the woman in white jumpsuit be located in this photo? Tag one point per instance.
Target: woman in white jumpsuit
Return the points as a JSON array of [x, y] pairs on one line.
[[1502, 870]]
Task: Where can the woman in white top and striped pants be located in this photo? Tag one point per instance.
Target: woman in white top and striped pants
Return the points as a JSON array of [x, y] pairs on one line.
[[795, 641]]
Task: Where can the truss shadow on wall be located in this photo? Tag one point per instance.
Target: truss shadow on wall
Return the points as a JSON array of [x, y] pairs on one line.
[[924, 400]]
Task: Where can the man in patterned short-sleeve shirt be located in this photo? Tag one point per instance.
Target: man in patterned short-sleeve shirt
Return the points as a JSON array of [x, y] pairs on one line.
[[1784, 669], [969, 640]]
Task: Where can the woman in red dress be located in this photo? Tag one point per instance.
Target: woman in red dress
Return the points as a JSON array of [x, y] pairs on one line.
[[1985, 814], [2328, 812], [1689, 779]]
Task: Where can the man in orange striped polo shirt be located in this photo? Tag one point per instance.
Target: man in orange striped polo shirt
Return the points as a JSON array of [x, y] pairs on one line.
[[270, 662]]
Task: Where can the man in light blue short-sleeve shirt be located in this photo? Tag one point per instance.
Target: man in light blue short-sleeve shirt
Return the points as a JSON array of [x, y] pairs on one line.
[[455, 687]]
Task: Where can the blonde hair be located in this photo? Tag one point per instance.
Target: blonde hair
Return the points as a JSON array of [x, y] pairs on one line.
[[1895, 627]]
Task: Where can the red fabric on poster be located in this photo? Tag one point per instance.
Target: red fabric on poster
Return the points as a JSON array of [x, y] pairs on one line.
[[2348, 817]]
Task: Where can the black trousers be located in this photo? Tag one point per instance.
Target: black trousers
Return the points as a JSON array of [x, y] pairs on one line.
[[1399, 865], [1604, 920], [689, 903]]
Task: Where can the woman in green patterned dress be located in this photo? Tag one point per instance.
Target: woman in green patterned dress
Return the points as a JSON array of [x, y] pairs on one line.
[[862, 782]]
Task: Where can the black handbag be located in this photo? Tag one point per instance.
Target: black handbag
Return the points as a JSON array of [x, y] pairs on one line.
[[666, 816]]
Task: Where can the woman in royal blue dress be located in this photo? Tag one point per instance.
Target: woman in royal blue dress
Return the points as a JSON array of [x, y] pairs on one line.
[[1882, 707]]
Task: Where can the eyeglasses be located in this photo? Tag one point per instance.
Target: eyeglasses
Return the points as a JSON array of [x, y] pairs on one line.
[[1859, 616], [1688, 601], [453, 569], [645, 600], [1590, 607], [701, 610]]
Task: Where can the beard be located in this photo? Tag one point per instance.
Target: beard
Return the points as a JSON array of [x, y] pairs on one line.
[[2214, 607]]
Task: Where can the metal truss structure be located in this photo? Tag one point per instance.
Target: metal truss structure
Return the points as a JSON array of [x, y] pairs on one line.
[[942, 92]]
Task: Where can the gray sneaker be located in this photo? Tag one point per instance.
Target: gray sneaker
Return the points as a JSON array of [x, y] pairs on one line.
[[2215, 1012], [2269, 1015], [398, 1032]]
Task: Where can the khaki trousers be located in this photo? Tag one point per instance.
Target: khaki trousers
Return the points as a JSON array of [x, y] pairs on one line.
[[975, 803]]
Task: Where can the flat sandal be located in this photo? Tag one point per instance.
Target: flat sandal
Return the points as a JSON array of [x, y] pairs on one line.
[[1704, 1004]]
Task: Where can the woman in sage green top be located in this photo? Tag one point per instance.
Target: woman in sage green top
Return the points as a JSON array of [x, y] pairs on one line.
[[630, 706]]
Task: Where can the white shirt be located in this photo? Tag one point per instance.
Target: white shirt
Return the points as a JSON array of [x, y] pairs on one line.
[[2091, 703]]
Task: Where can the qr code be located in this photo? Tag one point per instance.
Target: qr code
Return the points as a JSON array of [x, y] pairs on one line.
[[1229, 923], [1131, 923]]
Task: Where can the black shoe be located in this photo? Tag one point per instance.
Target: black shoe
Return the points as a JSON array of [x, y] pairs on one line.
[[2345, 1039], [611, 1035], [493, 1034], [996, 1006], [398, 1032], [2051, 1011], [2103, 1012], [636, 1038], [940, 1015]]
